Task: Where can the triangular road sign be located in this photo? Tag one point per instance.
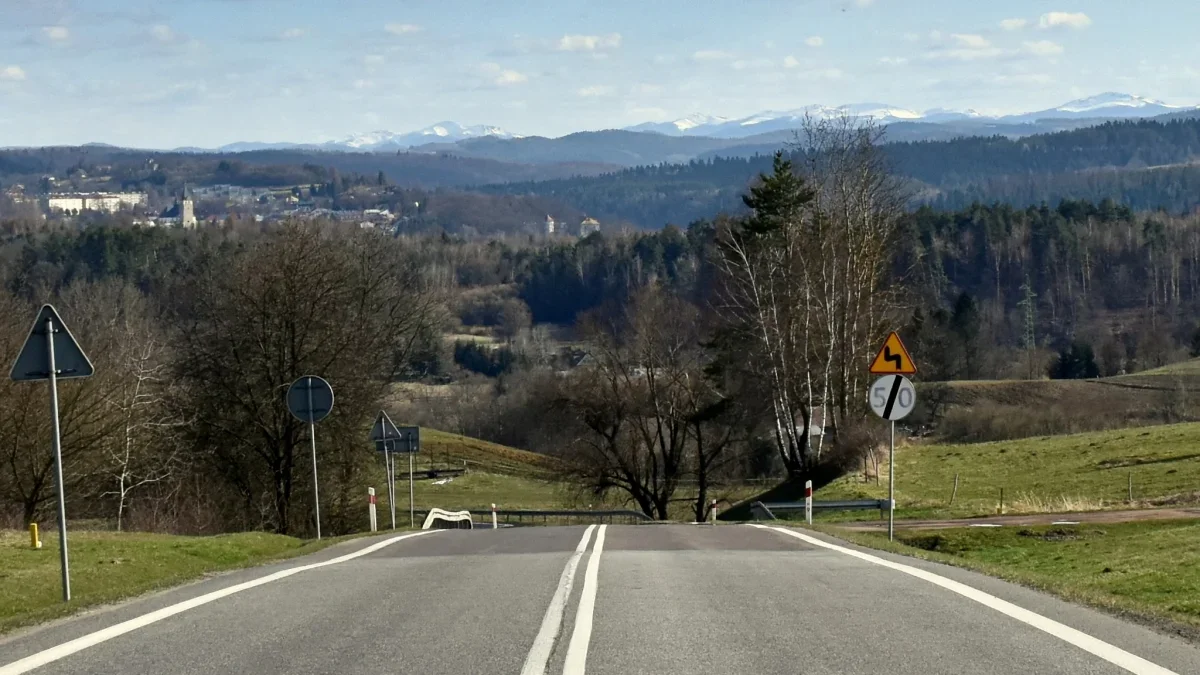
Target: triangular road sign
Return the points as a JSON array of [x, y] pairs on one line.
[[893, 358], [384, 428], [33, 363]]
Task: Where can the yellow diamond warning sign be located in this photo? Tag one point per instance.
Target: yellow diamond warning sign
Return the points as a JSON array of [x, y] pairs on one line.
[[893, 359]]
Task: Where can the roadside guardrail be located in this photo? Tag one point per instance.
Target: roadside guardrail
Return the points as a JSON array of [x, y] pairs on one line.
[[552, 516], [767, 511]]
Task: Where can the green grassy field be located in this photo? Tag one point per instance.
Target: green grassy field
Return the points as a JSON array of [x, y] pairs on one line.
[[1149, 570], [107, 566], [1041, 475]]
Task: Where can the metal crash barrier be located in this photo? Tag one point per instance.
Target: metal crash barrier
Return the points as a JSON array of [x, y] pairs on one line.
[[767, 511]]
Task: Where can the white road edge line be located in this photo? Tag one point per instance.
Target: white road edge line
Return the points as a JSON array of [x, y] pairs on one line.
[[1094, 646], [543, 644], [581, 635], [92, 639]]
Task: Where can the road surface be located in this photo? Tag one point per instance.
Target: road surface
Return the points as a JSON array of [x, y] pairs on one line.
[[655, 599]]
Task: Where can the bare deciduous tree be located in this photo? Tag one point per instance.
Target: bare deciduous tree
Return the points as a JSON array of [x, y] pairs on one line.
[[805, 283], [344, 304]]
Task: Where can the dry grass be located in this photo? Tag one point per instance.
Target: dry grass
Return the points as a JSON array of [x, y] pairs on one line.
[[1028, 502]]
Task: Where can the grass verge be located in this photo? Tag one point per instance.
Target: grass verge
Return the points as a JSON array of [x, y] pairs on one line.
[[1089, 471], [110, 566], [1146, 571]]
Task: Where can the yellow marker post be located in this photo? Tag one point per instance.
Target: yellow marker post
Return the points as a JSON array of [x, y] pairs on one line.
[[34, 541]]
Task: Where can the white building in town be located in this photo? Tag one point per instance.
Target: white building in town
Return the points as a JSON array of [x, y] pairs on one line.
[[109, 202]]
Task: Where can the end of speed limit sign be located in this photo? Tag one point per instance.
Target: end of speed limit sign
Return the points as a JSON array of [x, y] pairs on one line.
[[892, 397]]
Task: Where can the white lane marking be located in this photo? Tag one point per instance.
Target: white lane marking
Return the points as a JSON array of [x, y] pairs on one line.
[[92, 639], [1094, 646], [543, 644], [581, 635]]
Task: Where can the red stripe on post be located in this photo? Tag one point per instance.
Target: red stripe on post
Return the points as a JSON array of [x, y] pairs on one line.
[[807, 492]]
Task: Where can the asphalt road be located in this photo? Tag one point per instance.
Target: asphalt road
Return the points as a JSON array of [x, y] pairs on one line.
[[658, 599]]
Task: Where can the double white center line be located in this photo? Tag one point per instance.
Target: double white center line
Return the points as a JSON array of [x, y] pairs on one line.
[[581, 635]]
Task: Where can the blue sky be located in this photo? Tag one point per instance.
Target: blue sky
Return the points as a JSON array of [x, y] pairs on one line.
[[207, 72]]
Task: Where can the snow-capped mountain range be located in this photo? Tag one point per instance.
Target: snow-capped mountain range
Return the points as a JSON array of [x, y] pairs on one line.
[[1109, 105], [380, 141]]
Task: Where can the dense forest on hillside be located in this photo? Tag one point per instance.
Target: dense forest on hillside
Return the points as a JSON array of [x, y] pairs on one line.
[[140, 169], [1114, 160]]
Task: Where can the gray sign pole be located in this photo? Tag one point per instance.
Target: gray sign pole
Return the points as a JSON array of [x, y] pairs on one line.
[[58, 472], [312, 436], [391, 469], [412, 518], [892, 484]]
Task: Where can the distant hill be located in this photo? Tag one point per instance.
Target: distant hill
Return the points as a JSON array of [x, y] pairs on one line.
[[1144, 164]]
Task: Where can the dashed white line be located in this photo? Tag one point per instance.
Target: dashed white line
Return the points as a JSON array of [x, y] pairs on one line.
[[581, 635], [1114, 655], [543, 644], [92, 639]]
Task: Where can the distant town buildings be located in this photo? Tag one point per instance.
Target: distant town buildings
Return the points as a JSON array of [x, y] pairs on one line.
[[548, 228], [588, 227], [109, 202]]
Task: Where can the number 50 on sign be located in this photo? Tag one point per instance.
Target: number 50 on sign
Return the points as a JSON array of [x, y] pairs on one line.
[[893, 397]]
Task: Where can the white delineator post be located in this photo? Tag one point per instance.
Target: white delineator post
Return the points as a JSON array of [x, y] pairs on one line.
[[713, 512], [494, 525], [808, 501], [371, 507]]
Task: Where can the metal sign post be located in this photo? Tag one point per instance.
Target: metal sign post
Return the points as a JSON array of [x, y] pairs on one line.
[[410, 445], [892, 397], [385, 434], [310, 399], [55, 356]]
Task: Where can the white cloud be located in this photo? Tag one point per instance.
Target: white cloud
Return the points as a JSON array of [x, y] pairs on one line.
[[744, 64], [1043, 48], [162, 33], [1024, 78], [911, 37], [644, 88], [964, 54], [1067, 19], [56, 33], [814, 41], [293, 33], [373, 59], [893, 61], [12, 73], [644, 112], [711, 55], [503, 76], [769, 44], [594, 90], [822, 74], [790, 62], [588, 43], [971, 41], [510, 77], [401, 28], [1013, 24], [363, 84]]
